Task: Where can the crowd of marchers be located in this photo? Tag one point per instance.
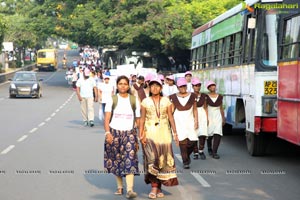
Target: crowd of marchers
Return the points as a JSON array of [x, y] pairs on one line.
[[150, 112]]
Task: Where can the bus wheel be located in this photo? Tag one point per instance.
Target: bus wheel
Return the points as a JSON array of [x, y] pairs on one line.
[[256, 144]]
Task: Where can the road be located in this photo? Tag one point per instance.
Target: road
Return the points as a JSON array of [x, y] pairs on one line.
[[46, 153]]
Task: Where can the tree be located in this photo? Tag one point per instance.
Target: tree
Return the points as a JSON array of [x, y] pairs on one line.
[[157, 25], [3, 27]]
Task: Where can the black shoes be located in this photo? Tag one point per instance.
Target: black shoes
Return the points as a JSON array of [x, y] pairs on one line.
[[215, 156], [202, 156], [186, 166], [210, 152], [91, 123], [196, 155]]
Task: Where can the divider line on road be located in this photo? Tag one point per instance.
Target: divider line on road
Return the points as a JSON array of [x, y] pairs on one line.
[[48, 119], [33, 130], [198, 177], [8, 149], [22, 138], [41, 124]]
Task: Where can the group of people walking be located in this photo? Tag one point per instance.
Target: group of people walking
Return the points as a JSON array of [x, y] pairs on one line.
[[141, 111]]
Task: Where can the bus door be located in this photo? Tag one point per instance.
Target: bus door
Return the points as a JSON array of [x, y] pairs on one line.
[[288, 123]]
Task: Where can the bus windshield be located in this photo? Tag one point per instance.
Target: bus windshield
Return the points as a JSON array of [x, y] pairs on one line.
[[47, 54], [269, 44]]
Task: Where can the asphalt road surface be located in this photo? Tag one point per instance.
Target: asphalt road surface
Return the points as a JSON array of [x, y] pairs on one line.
[[47, 154]]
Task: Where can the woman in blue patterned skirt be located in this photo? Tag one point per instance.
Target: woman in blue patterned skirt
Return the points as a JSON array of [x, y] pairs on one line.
[[121, 144]]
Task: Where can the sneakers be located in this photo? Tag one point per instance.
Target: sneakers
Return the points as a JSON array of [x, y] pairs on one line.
[[196, 155], [186, 166], [215, 156], [130, 194], [91, 123], [88, 123], [202, 156]]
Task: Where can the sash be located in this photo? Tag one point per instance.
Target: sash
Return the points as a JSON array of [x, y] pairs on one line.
[[178, 106], [140, 91]]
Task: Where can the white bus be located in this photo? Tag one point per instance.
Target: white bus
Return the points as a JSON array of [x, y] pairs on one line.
[[251, 51]]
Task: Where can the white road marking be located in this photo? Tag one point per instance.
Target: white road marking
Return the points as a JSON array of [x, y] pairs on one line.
[[53, 114], [50, 77], [197, 176], [48, 119], [57, 110], [22, 138], [33, 130], [42, 124], [8, 149], [60, 107], [200, 179]]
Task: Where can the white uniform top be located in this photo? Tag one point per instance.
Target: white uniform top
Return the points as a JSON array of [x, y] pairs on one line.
[[184, 121], [202, 122], [122, 118], [215, 119]]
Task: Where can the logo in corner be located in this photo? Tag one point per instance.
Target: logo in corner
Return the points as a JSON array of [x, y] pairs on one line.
[[247, 7]]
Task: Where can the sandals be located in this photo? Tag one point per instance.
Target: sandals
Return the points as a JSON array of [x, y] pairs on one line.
[[152, 195], [160, 194], [119, 191]]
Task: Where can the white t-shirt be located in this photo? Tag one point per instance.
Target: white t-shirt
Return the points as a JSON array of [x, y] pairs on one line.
[[122, 118], [86, 87], [107, 90]]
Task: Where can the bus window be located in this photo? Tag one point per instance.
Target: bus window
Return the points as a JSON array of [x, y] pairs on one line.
[[291, 40], [249, 43], [269, 41], [203, 61], [199, 56], [227, 49], [212, 54], [237, 48], [220, 52], [215, 53]]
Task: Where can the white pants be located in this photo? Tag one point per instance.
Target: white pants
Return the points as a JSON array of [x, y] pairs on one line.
[[87, 109]]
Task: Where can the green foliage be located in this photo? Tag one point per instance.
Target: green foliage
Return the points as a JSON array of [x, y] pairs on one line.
[[158, 25], [3, 27]]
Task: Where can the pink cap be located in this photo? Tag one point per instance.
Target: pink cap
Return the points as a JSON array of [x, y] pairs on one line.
[[195, 81], [188, 73], [157, 80], [181, 82], [171, 77], [209, 83], [161, 77], [148, 77], [87, 72]]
